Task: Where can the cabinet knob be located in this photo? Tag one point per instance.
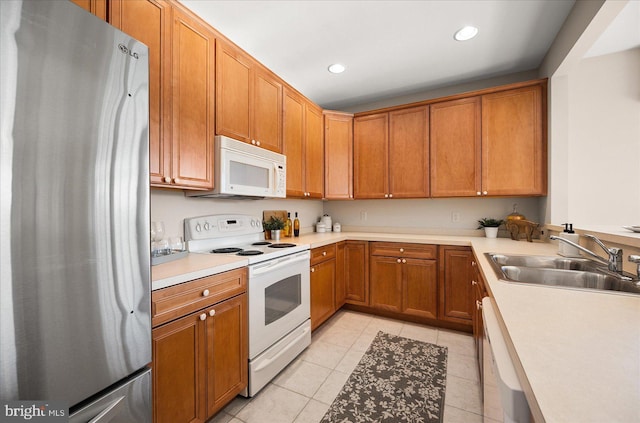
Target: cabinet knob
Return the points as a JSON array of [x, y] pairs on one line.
[[386, 196], [258, 143], [473, 263], [474, 283], [390, 195], [478, 305], [212, 313], [399, 261], [203, 316], [313, 269], [404, 260], [205, 293], [167, 180], [402, 250], [350, 195], [478, 193], [484, 192], [253, 142], [324, 253]]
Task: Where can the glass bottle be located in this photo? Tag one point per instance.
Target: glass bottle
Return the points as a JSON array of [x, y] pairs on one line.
[[296, 226], [288, 226]]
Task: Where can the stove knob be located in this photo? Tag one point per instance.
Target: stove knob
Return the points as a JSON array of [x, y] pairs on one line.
[[198, 228], [206, 226]]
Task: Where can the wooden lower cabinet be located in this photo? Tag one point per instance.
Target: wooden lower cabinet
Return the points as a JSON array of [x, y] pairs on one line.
[[322, 292], [404, 285], [341, 276], [356, 270], [199, 359], [479, 292], [456, 272]]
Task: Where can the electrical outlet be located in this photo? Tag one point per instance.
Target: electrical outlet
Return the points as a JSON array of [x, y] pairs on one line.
[[455, 217], [363, 215]]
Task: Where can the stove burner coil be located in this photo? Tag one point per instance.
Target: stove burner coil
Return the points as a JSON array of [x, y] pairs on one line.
[[250, 253], [226, 250], [282, 245], [261, 243]]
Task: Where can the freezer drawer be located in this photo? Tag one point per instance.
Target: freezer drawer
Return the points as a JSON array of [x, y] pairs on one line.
[[129, 401]]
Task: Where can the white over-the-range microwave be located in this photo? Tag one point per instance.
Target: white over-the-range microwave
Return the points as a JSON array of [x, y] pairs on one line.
[[244, 170]]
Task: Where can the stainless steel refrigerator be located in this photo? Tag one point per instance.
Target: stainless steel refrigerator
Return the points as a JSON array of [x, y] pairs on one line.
[[75, 287]]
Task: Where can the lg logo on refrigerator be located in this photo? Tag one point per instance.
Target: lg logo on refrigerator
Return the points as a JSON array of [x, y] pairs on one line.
[[126, 50]]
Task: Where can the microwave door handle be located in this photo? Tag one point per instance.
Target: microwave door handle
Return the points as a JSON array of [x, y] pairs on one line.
[[278, 263]]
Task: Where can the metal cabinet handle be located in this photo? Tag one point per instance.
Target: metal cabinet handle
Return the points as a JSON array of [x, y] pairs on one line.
[[205, 293], [212, 313], [203, 316]]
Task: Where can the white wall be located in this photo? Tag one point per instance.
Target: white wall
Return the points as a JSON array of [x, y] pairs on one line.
[[171, 207], [427, 214], [603, 179]]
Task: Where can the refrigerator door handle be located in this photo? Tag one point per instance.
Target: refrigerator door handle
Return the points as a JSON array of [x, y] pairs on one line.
[[110, 412]]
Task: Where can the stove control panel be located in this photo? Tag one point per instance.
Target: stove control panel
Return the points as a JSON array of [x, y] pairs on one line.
[[220, 226]]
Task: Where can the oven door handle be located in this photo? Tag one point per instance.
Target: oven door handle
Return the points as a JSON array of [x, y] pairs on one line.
[[278, 263]]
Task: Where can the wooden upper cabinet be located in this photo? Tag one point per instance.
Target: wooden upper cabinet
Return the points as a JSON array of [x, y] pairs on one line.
[[193, 72], [338, 155], [267, 111], [371, 156], [249, 100], [513, 142], [409, 153], [455, 142], [233, 84], [155, 32], [293, 140], [96, 7], [314, 152]]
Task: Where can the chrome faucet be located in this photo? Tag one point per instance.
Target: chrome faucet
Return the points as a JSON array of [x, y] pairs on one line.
[[614, 263]]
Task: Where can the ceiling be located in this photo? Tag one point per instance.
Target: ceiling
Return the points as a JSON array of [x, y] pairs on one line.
[[390, 48]]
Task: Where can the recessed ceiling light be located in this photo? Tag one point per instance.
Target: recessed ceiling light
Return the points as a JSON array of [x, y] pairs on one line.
[[336, 68], [466, 33]]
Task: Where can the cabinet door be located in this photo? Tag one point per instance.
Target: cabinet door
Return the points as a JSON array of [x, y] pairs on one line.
[[155, 32], [314, 152], [371, 156], [322, 292], [227, 352], [338, 159], [97, 7], [356, 262], [420, 288], [340, 285], [385, 284], [294, 142], [455, 148], [409, 153], [266, 129], [513, 143], [179, 370], [456, 295], [193, 69], [233, 84]]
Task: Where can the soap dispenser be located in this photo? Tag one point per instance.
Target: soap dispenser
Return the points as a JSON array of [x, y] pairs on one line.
[[565, 249]]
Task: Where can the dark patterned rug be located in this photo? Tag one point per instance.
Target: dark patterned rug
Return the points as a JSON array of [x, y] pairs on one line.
[[397, 380]]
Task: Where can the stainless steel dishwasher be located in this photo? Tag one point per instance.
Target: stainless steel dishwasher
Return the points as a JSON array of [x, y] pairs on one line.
[[504, 399]]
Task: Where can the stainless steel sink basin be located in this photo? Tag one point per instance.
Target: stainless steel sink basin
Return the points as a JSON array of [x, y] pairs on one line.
[[561, 272], [545, 262]]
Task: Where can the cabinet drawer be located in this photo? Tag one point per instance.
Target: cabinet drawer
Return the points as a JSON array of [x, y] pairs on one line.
[[320, 254], [401, 249], [178, 300]]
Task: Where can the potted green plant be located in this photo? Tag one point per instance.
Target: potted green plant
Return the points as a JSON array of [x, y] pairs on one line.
[[490, 226], [273, 226]]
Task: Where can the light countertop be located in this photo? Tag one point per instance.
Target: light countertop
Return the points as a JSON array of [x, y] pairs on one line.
[[577, 353]]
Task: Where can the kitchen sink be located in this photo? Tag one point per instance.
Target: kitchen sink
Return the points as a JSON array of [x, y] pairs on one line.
[[560, 272]]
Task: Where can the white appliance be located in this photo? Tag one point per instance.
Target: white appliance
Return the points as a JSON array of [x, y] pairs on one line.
[[278, 289], [244, 170], [504, 399]]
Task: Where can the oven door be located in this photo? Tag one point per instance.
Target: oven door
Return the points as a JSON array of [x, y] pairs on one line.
[[279, 299]]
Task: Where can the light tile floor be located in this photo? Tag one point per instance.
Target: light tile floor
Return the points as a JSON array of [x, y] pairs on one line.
[[303, 391]]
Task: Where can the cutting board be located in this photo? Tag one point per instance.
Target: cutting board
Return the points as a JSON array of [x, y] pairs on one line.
[[266, 214]]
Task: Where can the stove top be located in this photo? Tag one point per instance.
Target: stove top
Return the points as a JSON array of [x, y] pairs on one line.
[[240, 235]]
